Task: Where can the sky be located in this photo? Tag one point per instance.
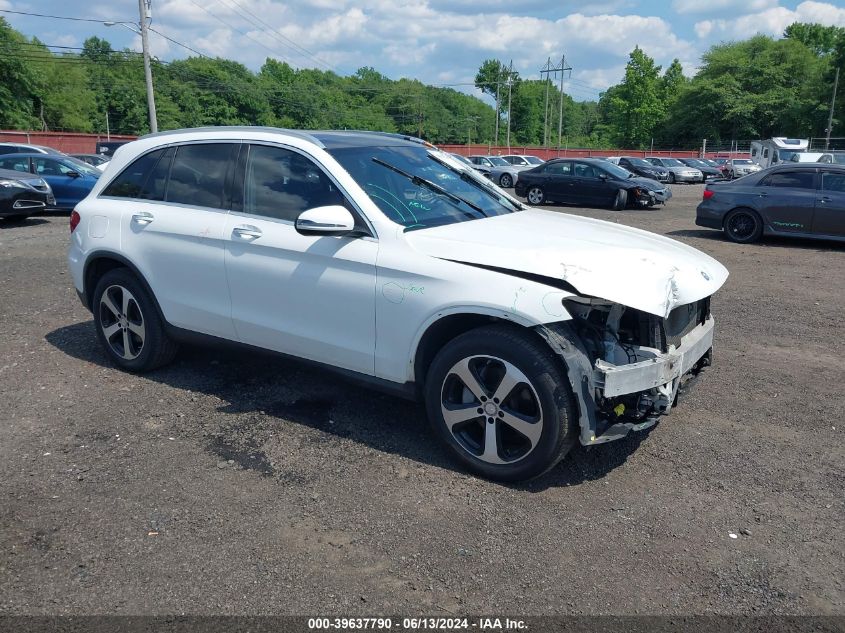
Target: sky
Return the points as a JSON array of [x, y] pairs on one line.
[[439, 42]]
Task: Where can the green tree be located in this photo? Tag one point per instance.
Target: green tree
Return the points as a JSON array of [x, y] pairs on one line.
[[636, 108], [820, 39]]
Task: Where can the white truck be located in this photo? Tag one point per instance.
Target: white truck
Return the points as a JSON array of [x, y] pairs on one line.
[[778, 149]]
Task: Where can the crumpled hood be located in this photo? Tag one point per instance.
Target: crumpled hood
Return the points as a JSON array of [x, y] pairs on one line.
[[635, 268], [647, 183]]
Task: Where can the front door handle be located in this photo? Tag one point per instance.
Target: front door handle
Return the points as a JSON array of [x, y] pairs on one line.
[[143, 218], [824, 199], [247, 232]]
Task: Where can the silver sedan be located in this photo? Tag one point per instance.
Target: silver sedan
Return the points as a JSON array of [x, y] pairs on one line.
[[501, 171], [678, 172]]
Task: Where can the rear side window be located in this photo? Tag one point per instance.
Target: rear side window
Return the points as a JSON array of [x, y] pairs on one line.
[[130, 182], [833, 181], [15, 164], [198, 174], [791, 179], [558, 169], [282, 184]]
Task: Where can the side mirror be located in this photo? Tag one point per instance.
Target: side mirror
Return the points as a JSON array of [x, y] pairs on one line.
[[330, 220], [73, 174], [603, 176]]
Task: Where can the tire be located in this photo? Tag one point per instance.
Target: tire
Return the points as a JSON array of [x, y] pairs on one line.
[[620, 201], [671, 178], [535, 195], [743, 226], [536, 399], [128, 324], [505, 181]]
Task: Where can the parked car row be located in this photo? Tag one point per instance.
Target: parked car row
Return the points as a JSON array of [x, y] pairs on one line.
[[54, 181]]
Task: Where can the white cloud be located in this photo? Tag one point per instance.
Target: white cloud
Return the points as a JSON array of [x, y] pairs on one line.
[[773, 21], [733, 7]]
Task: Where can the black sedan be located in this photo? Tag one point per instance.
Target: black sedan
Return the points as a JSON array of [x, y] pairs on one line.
[[708, 171], [589, 182], [797, 199], [22, 195], [641, 167]]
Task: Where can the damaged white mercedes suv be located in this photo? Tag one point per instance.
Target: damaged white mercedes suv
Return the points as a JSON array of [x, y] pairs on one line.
[[377, 255]]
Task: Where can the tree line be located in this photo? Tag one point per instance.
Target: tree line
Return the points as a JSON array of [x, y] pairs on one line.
[[756, 88]]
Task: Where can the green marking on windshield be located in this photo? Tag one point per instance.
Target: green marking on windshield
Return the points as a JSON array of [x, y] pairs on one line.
[[390, 193]]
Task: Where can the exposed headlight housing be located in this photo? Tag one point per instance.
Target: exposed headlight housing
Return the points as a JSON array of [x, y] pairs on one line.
[[8, 182]]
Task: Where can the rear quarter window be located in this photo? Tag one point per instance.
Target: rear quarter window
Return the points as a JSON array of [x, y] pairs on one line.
[[130, 183]]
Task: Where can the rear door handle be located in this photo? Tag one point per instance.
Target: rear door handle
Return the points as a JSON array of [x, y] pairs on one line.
[[247, 232], [143, 218], [763, 195], [824, 199]]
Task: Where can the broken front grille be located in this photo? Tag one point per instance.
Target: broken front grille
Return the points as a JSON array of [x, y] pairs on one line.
[[683, 320]]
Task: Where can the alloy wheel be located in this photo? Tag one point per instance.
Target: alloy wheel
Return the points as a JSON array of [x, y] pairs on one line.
[[535, 195], [741, 226], [491, 409], [122, 322]]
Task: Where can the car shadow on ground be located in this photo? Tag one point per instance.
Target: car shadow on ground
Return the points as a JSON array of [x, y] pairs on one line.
[[251, 382], [768, 240], [6, 223]]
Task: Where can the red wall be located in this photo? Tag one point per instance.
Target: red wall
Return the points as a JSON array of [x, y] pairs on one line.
[[546, 154], [69, 142]]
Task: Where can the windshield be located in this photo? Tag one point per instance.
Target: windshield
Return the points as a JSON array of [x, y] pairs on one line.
[[672, 162], [742, 161], [414, 189], [82, 167], [640, 162], [498, 161], [534, 160], [786, 155], [616, 171], [839, 159]]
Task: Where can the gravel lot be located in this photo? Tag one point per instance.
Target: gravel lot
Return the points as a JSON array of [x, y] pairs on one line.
[[241, 484]]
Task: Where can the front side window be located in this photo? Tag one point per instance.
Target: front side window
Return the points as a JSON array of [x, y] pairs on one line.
[[281, 184], [198, 174], [582, 170], [791, 179]]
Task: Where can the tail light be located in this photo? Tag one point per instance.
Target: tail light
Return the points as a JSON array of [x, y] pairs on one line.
[[74, 220], [708, 193]]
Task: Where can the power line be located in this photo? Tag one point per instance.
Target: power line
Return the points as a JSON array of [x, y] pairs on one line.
[[56, 17], [286, 41]]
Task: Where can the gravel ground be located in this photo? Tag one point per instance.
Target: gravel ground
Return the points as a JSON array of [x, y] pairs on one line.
[[230, 483]]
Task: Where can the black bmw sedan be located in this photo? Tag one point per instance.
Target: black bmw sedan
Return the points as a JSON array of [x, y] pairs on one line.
[[797, 199], [589, 182], [22, 195]]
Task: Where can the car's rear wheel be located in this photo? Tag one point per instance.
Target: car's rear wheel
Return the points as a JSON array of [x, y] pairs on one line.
[[128, 325], [743, 226], [620, 200], [501, 401], [535, 195], [505, 181]]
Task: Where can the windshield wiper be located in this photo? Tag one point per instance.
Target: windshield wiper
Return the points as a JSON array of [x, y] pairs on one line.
[[430, 185], [472, 181]]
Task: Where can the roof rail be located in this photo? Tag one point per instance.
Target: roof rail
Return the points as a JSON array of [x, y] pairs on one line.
[[238, 128]]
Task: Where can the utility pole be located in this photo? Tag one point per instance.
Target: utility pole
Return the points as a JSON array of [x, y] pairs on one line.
[[420, 133], [510, 83], [830, 117], [546, 70], [563, 69], [145, 10], [498, 83]]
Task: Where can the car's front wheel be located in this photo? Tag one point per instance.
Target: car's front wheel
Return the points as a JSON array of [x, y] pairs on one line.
[[620, 200], [500, 400], [743, 226], [535, 195], [128, 325], [506, 181], [671, 178]]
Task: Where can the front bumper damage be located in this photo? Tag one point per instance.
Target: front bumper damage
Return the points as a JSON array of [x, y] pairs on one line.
[[654, 383]]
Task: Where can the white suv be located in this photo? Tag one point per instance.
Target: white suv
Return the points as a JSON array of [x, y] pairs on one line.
[[522, 329]]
